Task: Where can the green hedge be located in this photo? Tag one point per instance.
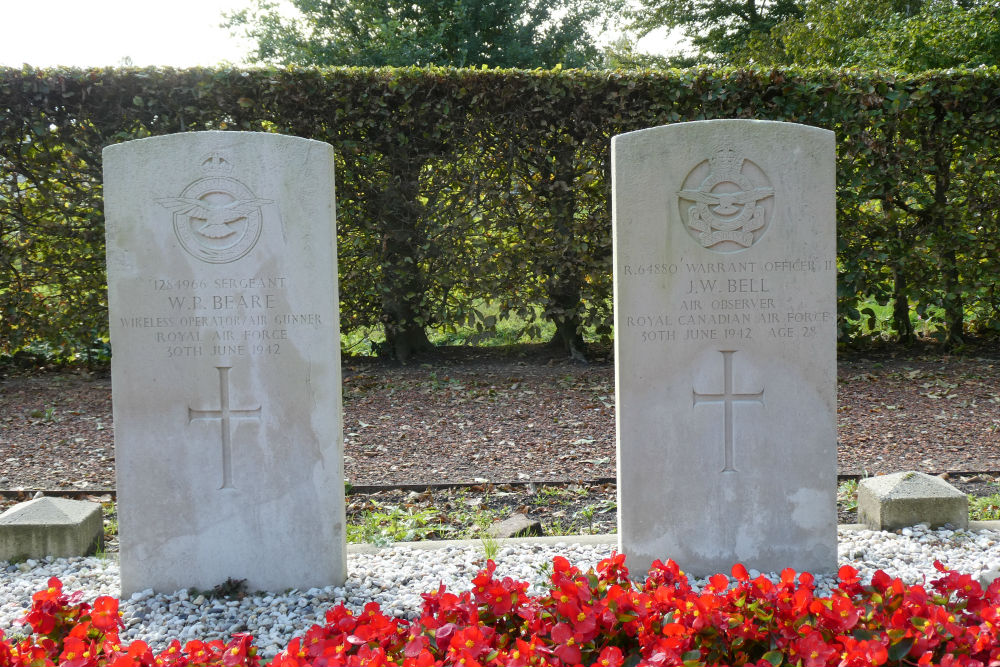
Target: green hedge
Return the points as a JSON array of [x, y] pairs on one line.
[[459, 187]]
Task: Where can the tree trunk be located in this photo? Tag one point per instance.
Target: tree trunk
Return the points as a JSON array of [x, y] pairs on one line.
[[901, 323], [954, 305], [567, 338], [563, 285], [943, 222], [403, 241], [405, 342]]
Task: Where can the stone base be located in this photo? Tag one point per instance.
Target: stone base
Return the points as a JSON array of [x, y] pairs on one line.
[[47, 526], [516, 525], [890, 502]]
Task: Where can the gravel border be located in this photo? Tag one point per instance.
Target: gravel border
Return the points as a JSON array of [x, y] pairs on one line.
[[396, 576]]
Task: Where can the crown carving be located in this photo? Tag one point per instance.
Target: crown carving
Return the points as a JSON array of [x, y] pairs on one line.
[[725, 160], [216, 164]]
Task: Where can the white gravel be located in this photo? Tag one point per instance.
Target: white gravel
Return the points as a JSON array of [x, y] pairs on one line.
[[396, 576]]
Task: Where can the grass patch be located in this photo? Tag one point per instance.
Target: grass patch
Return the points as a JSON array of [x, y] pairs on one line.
[[557, 495], [984, 508], [588, 514], [496, 332], [109, 512], [876, 321], [46, 415], [847, 495], [491, 546], [490, 330], [393, 524]]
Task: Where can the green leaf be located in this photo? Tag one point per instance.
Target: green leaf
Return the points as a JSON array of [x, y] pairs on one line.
[[899, 650], [632, 660], [774, 657]]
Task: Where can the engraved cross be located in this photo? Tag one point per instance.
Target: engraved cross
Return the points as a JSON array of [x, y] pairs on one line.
[[727, 398], [225, 414]]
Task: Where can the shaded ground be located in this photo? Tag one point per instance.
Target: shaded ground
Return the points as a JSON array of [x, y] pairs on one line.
[[562, 510], [480, 415], [488, 417]]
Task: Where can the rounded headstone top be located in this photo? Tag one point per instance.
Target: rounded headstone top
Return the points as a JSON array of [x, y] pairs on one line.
[[211, 136]]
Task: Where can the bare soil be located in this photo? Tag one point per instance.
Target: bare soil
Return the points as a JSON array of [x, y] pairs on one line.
[[493, 416]]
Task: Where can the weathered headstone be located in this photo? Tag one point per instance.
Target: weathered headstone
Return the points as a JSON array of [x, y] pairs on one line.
[[222, 290], [725, 335]]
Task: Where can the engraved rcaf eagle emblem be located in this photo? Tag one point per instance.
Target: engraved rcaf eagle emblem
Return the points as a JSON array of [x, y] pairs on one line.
[[726, 202], [217, 218]]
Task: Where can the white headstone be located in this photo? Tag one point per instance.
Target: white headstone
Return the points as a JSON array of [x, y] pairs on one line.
[[222, 291], [725, 345]]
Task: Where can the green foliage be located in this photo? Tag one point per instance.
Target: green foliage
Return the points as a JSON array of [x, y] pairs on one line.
[[470, 198], [718, 29], [504, 329], [847, 494], [389, 523], [905, 35], [109, 512], [394, 524], [491, 545], [984, 508], [458, 33], [48, 414], [50, 227], [622, 54]]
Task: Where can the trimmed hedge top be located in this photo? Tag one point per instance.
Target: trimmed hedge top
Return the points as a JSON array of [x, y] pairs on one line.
[[459, 187]]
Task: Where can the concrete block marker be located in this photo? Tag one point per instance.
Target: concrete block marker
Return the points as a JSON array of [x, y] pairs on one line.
[[888, 502], [46, 526], [516, 525]]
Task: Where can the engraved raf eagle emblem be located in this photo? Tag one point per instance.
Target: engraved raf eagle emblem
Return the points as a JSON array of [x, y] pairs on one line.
[[727, 203], [218, 219], [720, 201]]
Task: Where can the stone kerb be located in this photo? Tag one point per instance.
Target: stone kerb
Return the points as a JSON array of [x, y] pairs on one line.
[[47, 526], [898, 500], [222, 294], [725, 345]]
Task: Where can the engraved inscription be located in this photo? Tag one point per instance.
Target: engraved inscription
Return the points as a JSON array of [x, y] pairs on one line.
[[217, 218], [727, 398], [726, 202], [727, 300], [225, 414], [222, 317]]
